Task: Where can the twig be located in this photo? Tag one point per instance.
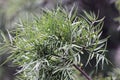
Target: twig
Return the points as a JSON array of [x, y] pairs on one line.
[[83, 72]]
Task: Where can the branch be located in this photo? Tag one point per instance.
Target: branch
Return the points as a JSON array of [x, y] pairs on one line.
[[83, 72]]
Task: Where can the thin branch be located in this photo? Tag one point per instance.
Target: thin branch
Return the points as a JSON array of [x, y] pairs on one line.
[[83, 72]]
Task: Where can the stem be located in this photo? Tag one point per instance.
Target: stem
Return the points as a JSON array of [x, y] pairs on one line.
[[83, 72]]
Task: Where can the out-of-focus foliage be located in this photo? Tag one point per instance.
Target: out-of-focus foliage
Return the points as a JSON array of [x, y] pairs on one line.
[[13, 6], [47, 47], [12, 10], [4, 43], [118, 4]]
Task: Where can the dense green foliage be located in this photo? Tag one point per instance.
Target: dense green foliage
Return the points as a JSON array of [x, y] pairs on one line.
[[47, 47], [17, 9]]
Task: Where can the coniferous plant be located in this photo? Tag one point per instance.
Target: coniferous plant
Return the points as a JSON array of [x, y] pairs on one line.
[[54, 45]]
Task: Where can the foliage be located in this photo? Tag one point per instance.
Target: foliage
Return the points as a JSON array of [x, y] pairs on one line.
[[118, 4], [4, 43], [118, 7], [47, 47]]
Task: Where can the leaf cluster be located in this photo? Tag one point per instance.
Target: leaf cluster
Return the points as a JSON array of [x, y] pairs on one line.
[[47, 47]]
